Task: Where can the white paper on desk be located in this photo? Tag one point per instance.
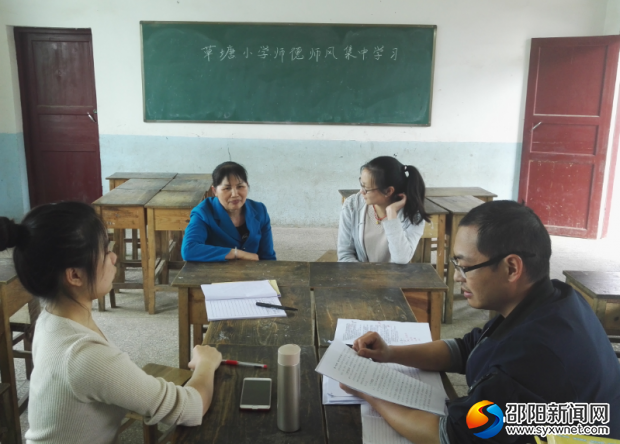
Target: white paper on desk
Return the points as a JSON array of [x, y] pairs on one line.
[[333, 394], [392, 332], [376, 430], [344, 365], [238, 290], [243, 309]]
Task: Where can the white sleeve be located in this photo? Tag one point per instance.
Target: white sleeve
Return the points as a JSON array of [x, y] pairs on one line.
[[346, 234], [97, 372], [403, 238]]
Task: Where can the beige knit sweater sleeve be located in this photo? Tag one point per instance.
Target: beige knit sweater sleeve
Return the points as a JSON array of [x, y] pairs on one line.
[[102, 373]]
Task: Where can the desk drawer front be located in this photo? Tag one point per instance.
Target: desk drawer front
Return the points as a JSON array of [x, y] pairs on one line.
[[122, 217], [171, 219]]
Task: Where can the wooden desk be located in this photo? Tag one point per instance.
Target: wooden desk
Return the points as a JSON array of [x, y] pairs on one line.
[[458, 207], [599, 288], [202, 176], [166, 211], [225, 423], [296, 328], [119, 178], [124, 209], [477, 192], [144, 184], [435, 229], [13, 296], [422, 287], [177, 184], [374, 304], [192, 309]]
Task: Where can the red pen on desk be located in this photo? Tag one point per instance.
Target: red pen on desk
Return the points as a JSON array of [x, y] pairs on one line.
[[243, 364]]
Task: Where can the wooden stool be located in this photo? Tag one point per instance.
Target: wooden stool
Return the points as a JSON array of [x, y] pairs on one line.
[[151, 434], [599, 288]]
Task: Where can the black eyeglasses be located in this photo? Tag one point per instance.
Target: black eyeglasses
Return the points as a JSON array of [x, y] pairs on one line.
[[366, 190], [492, 261]]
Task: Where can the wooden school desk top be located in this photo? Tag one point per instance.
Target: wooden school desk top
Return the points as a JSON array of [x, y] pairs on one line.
[[296, 328], [130, 175], [458, 191], [176, 199], [144, 184], [458, 205], [225, 423], [596, 284], [190, 176], [375, 275], [177, 184], [120, 198], [286, 274], [373, 304]]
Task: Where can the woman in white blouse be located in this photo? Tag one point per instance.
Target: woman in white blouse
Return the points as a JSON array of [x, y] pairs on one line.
[[82, 384], [385, 220]]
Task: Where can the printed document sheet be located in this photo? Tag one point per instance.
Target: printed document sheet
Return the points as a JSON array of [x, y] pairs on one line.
[[394, 333], [381, 381], [238, 290]]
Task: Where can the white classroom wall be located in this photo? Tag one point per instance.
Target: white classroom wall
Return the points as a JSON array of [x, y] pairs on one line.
[[481, 61]]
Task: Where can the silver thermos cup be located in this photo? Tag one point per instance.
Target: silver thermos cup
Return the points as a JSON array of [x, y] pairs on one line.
[[289, 396]]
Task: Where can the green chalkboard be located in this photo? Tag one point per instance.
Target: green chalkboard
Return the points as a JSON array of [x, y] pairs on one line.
[[287, 73]]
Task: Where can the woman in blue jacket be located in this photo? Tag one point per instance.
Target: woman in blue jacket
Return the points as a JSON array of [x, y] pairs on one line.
[[228, 226]]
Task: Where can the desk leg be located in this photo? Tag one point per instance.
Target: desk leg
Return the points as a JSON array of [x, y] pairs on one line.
[[148, 243], [7, 374], [454, 225], [184, 351], [197, 334], [434, 319], [441, 245]]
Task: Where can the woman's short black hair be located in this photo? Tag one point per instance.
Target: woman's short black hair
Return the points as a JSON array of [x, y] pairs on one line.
[[505, 226], [52, 238], [227, 169], [387, 171]]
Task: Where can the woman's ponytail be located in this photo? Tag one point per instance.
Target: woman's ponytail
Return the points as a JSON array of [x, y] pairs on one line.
[[415, 190]]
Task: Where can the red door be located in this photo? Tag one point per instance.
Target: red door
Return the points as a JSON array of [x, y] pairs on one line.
[[565, 164], [59, 107]]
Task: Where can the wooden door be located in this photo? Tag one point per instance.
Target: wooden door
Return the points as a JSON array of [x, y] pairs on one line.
[[567, 163], [59, 107]]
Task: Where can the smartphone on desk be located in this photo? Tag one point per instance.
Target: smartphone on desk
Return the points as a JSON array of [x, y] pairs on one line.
[[256, 394]]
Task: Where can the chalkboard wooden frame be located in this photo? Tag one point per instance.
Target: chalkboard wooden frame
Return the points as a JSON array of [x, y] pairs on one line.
[[426, 101]]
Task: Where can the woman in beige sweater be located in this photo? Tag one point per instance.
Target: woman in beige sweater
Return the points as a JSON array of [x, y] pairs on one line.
[[82, 385]]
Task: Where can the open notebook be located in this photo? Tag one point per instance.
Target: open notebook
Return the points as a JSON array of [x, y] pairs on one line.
[[237, 300]]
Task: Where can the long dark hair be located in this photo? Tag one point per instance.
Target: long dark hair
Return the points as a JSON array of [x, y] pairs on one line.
[[226, 169], [388, 172], [50, 239]]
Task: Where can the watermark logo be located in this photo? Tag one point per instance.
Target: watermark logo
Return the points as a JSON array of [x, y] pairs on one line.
[[487, 415]]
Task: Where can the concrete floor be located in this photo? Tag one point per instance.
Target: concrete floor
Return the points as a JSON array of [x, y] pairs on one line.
[[154, 338]]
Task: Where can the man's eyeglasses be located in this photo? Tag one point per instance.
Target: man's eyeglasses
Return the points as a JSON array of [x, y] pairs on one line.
[[366, 190], [492, 261]]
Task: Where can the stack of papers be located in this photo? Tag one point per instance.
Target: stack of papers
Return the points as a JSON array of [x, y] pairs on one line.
[[394, 333], [237, 300], [393, 382], [380, 380]]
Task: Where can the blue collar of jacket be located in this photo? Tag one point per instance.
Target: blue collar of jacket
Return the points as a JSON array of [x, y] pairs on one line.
[[225, 223]]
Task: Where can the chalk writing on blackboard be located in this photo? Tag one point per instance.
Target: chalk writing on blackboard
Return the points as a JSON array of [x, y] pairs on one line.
[[297, 53]]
